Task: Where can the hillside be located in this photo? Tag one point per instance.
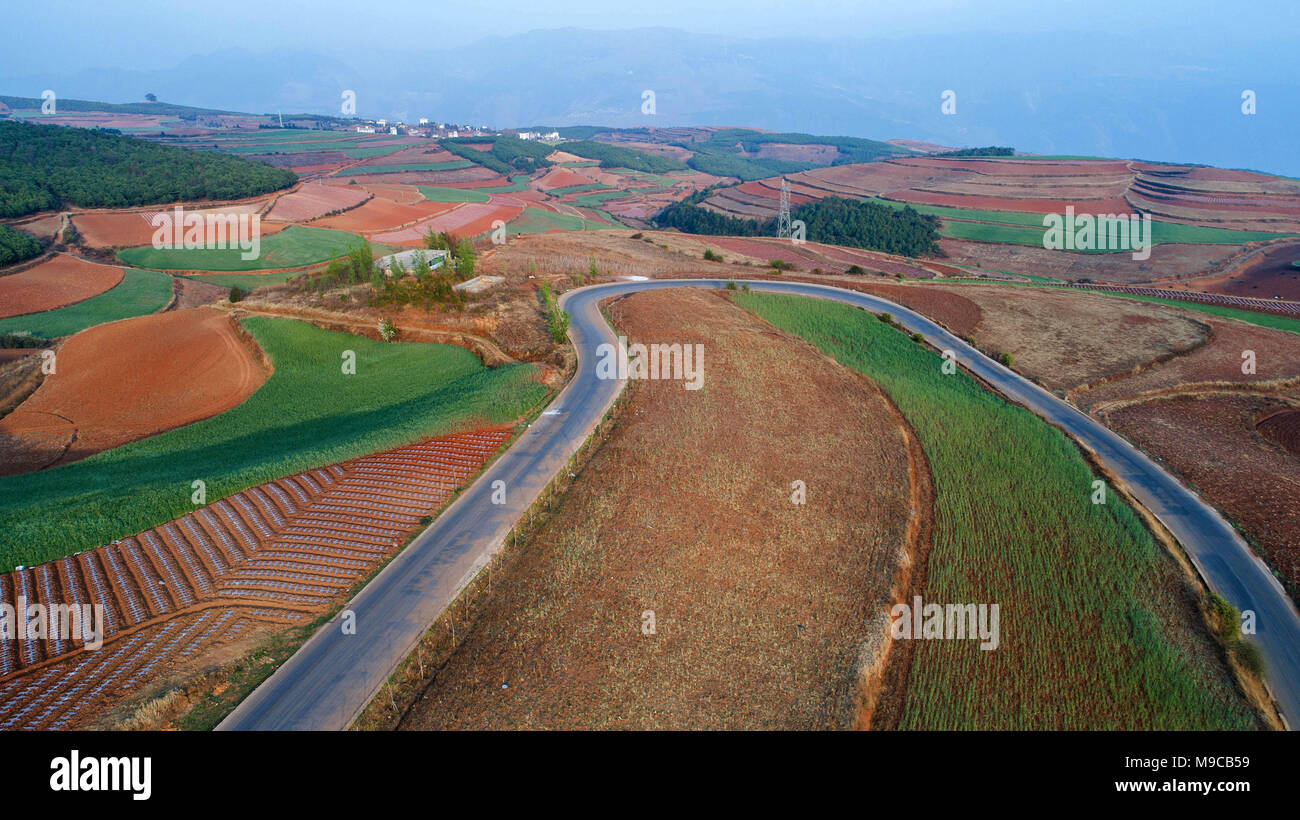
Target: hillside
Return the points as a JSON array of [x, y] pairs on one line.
[[43, 167]]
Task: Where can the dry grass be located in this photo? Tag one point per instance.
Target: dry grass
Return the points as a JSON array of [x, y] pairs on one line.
[[764, 609], [1066, 339]]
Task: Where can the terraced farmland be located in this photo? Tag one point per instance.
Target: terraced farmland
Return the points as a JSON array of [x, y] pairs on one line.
[[273, 555]]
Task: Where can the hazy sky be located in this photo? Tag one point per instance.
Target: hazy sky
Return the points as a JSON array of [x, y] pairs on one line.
[[70, 35]]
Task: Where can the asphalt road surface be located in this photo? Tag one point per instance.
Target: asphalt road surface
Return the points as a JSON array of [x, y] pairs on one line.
[[332, 677]]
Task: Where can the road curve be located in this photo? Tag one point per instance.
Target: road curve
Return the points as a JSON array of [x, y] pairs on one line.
[[332, 677]]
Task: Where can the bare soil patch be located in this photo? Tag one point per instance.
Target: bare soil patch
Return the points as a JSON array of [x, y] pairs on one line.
[[1064, 339], [763, 613], [1212, 444], [54, 283], [130, 379]]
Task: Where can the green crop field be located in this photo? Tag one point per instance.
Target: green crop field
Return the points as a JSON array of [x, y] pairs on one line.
[[434, 193], [576, 189], [540, 220], [139, 292], [519, 182], [596, 200], [293, 247], [308, 414], [1093, 632], [362, 170]]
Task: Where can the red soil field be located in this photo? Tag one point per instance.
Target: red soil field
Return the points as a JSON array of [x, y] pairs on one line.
[[561, 178], [126, 380], [1283, 429], [414, 154], [128, 229], [401, 194], [271, 556], [1277, 357], [1270, 274], [1211, 443], [954, 311], [315, 199], [465, 220], [63, 280], [382, 215]]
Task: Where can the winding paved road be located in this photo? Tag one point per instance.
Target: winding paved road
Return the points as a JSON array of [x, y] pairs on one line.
[[331, 678]]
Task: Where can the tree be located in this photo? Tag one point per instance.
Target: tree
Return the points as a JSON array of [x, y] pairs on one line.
[[151, 97]]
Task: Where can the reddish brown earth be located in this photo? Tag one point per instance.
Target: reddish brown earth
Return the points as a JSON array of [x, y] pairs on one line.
[[401, 194], [1282, 427], [952, 310], [464, 219], [128, 229], [1166, 260], [561, 178], [126, 380], [1271, 274], [1218, 362], [272, 556], [315, 199], [381, 214], [1063, 339], [764, 618], [1211, 443], [54, 283]]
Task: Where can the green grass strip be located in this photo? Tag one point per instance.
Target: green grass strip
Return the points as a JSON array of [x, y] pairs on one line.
[[434, 193], [293, 247], [1094, 630], [140, 292]]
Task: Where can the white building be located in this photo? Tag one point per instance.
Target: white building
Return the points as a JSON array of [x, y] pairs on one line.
[[436, 259], [365, 129]]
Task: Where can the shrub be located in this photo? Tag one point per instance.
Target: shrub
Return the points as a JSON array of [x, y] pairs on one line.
[[235, 293], [917, 337], [711, 256], [887, 318], [387, 330], [1007, 359], [731, 284], [856, 270]]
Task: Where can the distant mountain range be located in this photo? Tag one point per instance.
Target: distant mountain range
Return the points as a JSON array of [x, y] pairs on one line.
[[1173, 100]]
